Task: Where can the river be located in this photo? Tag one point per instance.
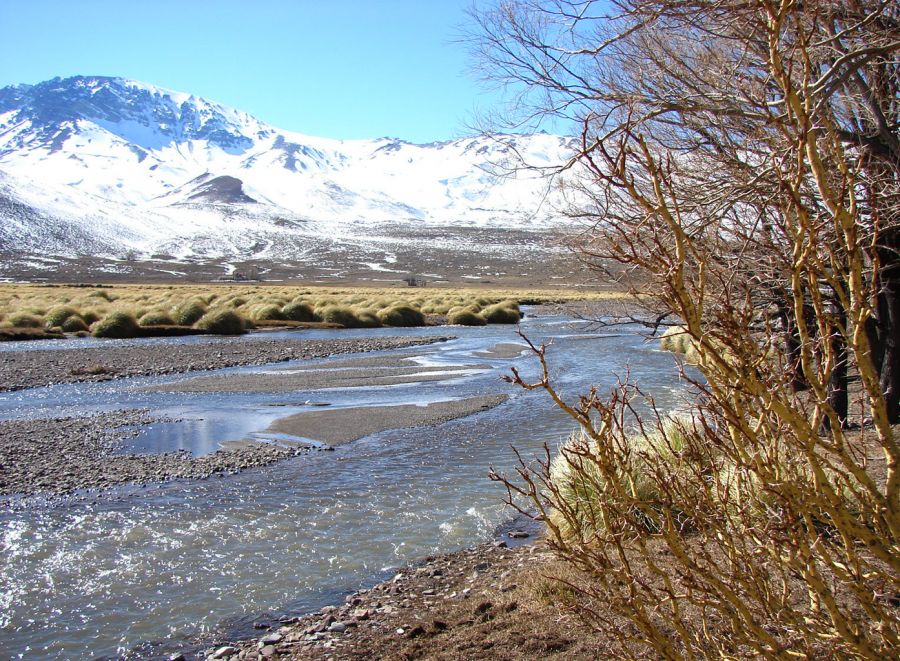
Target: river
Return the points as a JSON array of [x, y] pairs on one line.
[[96, 577]]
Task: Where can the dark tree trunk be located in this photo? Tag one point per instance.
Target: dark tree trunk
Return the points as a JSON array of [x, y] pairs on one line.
[[889, 322], [837, 384], [791, 345]]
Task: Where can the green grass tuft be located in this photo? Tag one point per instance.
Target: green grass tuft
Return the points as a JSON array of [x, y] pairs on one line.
[[57, 315], [117, 325], [402, 316], [157, 318], [222, 321], [189, 312], [24, 320], [298, 311], [465, 317], [267, 312], [341, 314], [506, 312], [74, 324]]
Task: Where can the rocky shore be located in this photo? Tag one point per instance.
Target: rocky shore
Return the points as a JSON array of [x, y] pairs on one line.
[[35, 368], [489, 602], [60, 455]]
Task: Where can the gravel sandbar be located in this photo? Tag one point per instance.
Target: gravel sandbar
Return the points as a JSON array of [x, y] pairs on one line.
[[34, 368], [339, 426]]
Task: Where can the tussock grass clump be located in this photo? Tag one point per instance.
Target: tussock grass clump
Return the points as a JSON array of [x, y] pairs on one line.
[[465, 317], [506, 312], [298, 311], [347, 317], [100, 294], [74, 324], [583, 483], [90, 317], [189, 312], [117, 325], [156, 318], [24, 320], [367, 319], [677, 340], [57, 315], [267, 312], [222, 321], [402, 316]]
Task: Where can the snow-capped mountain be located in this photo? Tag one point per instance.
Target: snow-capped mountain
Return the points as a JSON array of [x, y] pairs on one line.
[[97, 165]]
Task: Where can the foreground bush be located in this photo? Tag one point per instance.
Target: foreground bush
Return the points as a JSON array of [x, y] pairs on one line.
[[223, 321], [731, 171], [118, 325]]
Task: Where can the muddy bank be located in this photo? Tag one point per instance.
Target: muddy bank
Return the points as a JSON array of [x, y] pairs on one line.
[[31, 369], [339, 426], [60, 455]]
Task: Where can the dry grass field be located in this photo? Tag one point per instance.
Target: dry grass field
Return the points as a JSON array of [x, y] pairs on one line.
[[133, 310]]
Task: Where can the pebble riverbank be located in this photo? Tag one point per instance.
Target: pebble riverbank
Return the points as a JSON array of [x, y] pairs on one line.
[[57, 456], [60, 455], [35, 368]]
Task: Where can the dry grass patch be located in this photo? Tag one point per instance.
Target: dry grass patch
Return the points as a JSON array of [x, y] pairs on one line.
[[184, 305]]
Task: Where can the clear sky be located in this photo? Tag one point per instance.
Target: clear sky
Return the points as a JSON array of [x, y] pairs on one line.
[[333, 68]]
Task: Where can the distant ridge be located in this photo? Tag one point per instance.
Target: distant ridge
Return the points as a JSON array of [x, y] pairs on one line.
[[94, 165]]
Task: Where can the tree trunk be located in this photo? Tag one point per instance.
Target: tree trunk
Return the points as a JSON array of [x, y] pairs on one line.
[[889, 320], [837, 383]]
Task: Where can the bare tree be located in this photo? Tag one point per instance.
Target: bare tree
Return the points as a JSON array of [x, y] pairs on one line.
[[742, 155]]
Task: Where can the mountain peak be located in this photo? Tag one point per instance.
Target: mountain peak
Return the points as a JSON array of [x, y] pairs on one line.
[[139, 113], [156, 162]]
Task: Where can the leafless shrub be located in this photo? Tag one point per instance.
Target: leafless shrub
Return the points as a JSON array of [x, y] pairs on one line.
[[743, 159]]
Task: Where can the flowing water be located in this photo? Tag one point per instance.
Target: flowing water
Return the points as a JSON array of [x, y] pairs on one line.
[[100, 575]]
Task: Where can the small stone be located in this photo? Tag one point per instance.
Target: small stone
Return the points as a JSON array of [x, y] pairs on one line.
[[267, 651], [225, 651], [271, 639], [176, 657], [500, 544], [518, 534], [337, 627], [401, 631]]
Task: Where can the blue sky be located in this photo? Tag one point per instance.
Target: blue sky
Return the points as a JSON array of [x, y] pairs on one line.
[[334, 68]]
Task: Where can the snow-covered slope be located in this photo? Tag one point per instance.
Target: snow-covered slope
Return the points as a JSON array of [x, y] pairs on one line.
[[94, 165]]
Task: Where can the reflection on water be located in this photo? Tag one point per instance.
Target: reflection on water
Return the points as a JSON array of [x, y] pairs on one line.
[[165, 561]]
